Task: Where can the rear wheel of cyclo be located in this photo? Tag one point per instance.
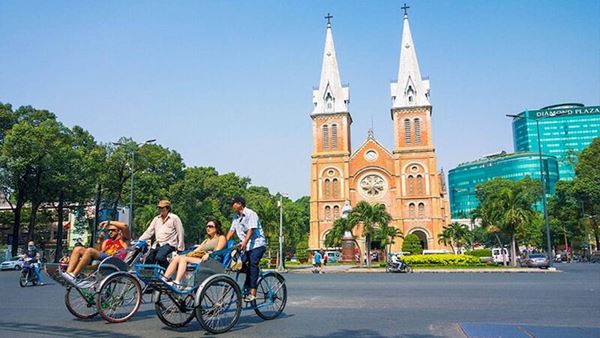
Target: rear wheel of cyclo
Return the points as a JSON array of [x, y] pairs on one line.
[[271, 296], [220, 305], [80, 302], [173, 309], [119, 298]]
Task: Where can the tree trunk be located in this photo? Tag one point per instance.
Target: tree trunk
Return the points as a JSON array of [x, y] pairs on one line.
[[368, 245], [595, 227], [34, 210], [501, 250], [16, 227], [59, 230], [513, 251]]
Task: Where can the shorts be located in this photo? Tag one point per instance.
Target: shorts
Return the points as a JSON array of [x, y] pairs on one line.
[[103, 256], [317, 265]]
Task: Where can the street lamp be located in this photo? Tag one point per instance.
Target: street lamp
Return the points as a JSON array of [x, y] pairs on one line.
[[131, 171], [281, 267], [542, 181]]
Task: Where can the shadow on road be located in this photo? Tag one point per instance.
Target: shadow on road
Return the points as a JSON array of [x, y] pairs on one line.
[[50, 330]]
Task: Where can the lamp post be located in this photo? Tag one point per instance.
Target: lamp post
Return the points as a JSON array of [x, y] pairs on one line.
[[131, 168], [542, 181], [281, 266]]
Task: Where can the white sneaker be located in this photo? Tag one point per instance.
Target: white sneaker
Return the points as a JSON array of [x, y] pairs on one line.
[[68, 277], [249, 298]]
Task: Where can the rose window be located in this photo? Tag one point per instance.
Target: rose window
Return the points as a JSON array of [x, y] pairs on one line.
[[372, 185]]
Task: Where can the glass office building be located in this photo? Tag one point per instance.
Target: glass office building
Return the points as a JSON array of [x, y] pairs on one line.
[[463, 180], [564, 131]]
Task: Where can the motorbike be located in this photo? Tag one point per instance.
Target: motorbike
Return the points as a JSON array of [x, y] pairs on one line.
[[28, 275], [400, 266]]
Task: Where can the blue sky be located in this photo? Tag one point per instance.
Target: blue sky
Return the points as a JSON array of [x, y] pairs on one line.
[[229, 83]]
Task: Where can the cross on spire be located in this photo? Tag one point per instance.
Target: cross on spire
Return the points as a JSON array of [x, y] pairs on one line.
[[405, 8], [329, 17]]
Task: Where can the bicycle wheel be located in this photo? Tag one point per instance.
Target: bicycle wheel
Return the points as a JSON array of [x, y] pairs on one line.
[[220, 305], [119, 298], [174, 310], [271, 296], [80, 302]]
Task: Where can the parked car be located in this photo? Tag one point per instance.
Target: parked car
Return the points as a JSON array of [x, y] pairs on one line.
[[333, 256], [15, 263], [537, 261]]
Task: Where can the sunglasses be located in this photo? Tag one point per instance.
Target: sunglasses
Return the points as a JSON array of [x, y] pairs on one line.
[[112, 230], [210, 226]]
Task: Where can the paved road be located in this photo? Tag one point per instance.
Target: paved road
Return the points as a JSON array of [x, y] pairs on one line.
[[348, 305]]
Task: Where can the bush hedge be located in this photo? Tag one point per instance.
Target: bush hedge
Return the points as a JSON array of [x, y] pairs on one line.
[[480, 253], [264, 263], [442, 260], [412, 244]]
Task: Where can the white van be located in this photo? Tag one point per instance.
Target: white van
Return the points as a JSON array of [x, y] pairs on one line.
[[500, 255]]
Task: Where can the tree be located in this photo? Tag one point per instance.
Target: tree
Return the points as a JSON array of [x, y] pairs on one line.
[[369, 216], [386, 235], [446, 238], [25, 154], [515, 212], [586, 185], [412, 244], [334, 237]]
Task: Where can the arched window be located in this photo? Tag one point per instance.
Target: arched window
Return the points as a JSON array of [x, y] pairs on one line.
[[417, 131], [328, 102], [327, 213], [327, 188], [421, 210], [411, 185], [410, 92], [336, 212], [411, 210], [325, 137], [334, 136], [407, 131], [419, 184], [336, 188]]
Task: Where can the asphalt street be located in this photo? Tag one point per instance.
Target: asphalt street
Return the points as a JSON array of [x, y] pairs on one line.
[[347, 305]]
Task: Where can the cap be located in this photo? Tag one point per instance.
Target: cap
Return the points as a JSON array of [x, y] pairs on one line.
[[164, 203]]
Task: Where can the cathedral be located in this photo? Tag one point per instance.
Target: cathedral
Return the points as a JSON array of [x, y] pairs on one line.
[[404, 179]]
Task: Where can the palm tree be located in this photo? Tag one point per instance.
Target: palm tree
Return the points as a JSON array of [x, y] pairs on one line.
[[516, 212], [334, 236], [369, 216], [459, 233], [445, 237], [386, 234]]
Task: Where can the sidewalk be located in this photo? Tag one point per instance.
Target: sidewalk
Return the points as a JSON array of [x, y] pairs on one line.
[[490, 330], [358, 269]]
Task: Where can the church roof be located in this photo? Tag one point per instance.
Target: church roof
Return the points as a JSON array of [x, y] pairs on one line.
[[331, 97], [410, 89], [371, 141]]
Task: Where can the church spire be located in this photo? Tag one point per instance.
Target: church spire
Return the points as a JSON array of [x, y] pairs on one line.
[[410, 89], [331, 96]]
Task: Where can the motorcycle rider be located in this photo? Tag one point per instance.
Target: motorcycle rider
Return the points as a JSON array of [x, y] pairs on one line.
[[33, 254]]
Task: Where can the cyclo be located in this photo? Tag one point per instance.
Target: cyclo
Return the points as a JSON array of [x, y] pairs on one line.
[[212, 295], [82, 299]]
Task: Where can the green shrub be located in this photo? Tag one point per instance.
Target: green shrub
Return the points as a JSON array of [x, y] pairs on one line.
[[264, 263], [302, 250], [412, 244], [442, 260], [480, 253]]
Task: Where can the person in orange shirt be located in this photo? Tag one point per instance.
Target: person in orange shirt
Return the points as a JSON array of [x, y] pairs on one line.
[[118, 235]]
